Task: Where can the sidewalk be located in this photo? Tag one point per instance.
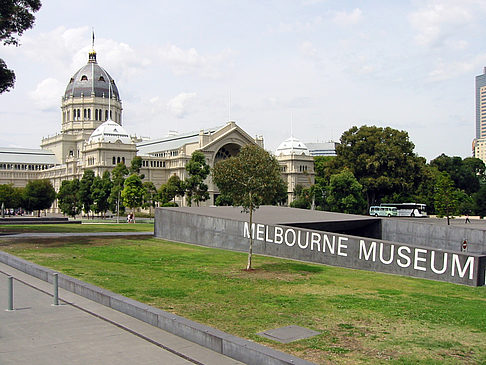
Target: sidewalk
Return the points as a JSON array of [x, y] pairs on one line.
[[80, 331]]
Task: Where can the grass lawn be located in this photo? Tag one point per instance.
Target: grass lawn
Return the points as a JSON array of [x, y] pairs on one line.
[[72, 227], [364, 317]]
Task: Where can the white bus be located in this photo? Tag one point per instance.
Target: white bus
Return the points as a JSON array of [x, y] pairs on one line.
[[408, 209], [379, 211]]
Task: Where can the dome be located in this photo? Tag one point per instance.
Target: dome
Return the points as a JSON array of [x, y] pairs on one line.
[[110, 132], [91, 79], [292, 146]]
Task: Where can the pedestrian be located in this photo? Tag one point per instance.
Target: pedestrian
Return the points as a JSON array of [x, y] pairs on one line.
[[467, 219]]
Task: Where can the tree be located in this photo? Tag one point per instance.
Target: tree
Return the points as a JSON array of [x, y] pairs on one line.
[[445, 197], [345, 194], [302, 197], [100, 193], [132, 193], [149, 195], [135, 167], [381, 159], [250, 179], [85, 190], [118, 177], [198, 170], [10, 196], [168, 191], [38, 195], [480, 201], [16, 16], [68, 198]]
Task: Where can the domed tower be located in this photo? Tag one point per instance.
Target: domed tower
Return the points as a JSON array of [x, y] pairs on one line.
[[296, 165], [91, 97]]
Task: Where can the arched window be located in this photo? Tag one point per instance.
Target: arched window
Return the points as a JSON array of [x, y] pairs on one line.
[[114, 160], [89, 114], [118, 160], [84, 78], [85, 113], [101, 79], [123, 159], [106, 114]]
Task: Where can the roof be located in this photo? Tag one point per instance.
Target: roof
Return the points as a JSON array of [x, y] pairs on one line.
[[171, 142], [292, 146], [27, 155], [110, 132], [91, 79]]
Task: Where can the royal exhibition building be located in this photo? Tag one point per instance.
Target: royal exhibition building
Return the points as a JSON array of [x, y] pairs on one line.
[[92, 137]]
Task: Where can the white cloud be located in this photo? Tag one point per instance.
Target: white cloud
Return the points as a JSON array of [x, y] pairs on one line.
[[438, 20], [179, 105], [344, 18], [191, 62], [47, 94], [448, 70]]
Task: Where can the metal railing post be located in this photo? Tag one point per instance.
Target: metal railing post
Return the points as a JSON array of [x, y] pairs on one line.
[[10, 294], [55, 282]]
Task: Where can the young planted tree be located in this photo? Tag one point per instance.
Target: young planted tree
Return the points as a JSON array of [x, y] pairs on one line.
[[249, 179], [67, 198], [38, 195], [149, 195], [85, 190], [101, 192], [10, 196], [198, 170], [132, 193], [446, 202], [170, 190], [345, 194], [118, 178]]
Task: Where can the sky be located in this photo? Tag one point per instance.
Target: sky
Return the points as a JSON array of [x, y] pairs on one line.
[[307, 68]]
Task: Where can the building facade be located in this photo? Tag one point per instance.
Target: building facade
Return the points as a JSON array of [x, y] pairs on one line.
[[479, 143], [92, 137]]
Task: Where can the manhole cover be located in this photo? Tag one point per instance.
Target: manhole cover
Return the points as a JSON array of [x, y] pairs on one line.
[[288, 334]]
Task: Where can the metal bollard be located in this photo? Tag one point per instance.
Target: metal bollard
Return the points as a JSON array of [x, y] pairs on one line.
[[55, 282], [10, 294]]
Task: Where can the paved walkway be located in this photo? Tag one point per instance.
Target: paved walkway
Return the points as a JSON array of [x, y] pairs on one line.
[[79, 331]]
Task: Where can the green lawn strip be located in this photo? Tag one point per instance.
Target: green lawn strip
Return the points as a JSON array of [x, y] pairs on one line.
[[74, 228], [364, 317]]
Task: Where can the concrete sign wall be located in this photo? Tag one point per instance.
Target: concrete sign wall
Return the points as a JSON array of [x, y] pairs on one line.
[[322, 247]]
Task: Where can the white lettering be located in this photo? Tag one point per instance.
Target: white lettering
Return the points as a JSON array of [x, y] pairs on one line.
[[444, 263], [246, 230], [306, 240], [260, 232], [392, 251], [315, 239], [362, 250], [278, 235], [267, 238], [341, 246], [407, 259], [328, 244], [421, 259], [469, 263], [287, 242]]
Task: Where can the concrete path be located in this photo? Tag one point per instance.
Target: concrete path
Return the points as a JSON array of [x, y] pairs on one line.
[[79, 331]]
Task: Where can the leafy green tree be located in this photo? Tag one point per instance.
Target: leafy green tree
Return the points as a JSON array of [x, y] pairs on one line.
[[149, 195], [480, 201], [446, 202], [132, 193], [118, 178], [16, 16], [381, 159], [171, 189], [302, 197], [100, 193], [67, 198], [38, 195], [223, 201], [10, 196], [85, 190], [135, 167], [249, 179], [345, 194], [466, 174], [198, 170]]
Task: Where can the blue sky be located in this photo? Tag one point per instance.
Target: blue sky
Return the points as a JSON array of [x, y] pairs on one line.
[[326, 65]]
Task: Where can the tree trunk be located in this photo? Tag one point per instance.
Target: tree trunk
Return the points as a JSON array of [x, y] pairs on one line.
[[250, 251]]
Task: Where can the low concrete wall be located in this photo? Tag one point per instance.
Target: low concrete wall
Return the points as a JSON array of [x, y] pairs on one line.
[[322, 247], [434, 235], [237, 348]]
